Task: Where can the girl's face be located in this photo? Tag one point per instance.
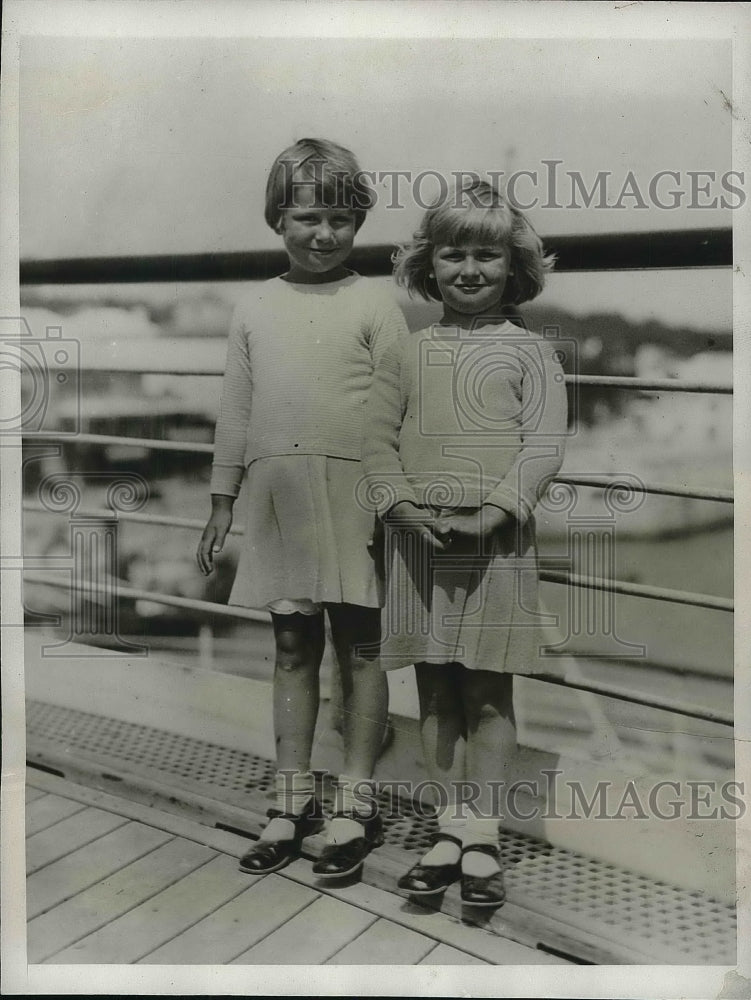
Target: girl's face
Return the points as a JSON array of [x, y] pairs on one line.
[[471, 278], [318, 239]]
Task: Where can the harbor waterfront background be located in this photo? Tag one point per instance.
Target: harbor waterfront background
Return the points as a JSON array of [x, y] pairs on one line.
[[184, 132]]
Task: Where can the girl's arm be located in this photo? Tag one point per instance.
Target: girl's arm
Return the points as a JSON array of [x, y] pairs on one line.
[[387, 325], [230, 436], [544, 410], [217, 526], [386, 483], [229, 445], [387, 489]]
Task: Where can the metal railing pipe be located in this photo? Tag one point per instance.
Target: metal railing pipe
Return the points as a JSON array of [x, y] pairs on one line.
[[209, 607], [711, 601], [661, 249], [595, 482], [651, 701]]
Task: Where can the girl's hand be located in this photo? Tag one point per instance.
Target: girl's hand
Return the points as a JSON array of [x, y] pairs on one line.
[[406, 515], [212, 539], [480, 523]]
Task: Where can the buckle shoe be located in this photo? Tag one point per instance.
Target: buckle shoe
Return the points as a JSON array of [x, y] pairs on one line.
[[483, 890], [427, 880], [267, 856], [338, 860]]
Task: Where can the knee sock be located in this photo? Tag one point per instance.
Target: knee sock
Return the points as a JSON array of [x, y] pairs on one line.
[[450, 820], [480, 830], [293, 792], [353, 796]]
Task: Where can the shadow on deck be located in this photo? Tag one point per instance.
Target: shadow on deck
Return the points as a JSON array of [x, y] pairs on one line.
[[114, 881], [165, 785]]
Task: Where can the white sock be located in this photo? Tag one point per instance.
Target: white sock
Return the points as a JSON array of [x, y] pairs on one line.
[[480, 830], [294, 789], [353, 795], [450, 820]]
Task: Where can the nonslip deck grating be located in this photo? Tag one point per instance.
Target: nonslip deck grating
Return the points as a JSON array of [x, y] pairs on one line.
[[583, 892]]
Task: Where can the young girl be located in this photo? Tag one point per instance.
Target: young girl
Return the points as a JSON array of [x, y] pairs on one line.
[[464, 429], [300, 359]]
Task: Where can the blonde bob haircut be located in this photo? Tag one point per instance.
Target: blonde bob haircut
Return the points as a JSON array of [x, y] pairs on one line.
[[474, 213], [332, 170]]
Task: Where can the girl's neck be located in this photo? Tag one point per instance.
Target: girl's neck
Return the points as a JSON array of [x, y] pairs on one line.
[[466, 321], [297, 276]]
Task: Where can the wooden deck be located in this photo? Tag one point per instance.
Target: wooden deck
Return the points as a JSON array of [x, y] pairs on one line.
[[114, 881]]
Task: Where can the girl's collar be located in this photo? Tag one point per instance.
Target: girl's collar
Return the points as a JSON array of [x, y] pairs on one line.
[[487, 330], [312, 285]]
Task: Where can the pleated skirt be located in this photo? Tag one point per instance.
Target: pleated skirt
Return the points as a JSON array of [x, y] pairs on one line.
[[306, 537], [475, 604]]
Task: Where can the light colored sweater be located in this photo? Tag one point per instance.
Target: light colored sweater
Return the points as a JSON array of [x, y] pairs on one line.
[[461, 418], [300, 363]]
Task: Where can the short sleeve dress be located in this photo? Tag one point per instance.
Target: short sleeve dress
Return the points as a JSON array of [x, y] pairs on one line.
[[457, 419], [300, 363]]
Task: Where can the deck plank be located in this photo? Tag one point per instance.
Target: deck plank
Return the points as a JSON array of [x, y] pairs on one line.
[[162, 917], [46, 811], [221, 841], [227, 932], [68, 835], [441, 926], [384, 943], [311, 937], [445, 927], [88, 865], [98, 905], [444, 954]]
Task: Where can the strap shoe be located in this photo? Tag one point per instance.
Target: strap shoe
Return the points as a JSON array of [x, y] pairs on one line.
[[487, 890], [270, 855], [426, 880], [338, 860]]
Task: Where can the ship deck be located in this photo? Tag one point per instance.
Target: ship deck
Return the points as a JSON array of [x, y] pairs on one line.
[[112, 881]]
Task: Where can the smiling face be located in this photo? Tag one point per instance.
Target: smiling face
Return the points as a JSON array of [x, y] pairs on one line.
[[317, 238], [471, 278]]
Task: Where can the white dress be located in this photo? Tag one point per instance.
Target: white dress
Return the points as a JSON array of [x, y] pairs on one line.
[[300, 364]]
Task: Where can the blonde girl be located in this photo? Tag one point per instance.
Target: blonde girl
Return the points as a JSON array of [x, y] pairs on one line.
[[465, 428]]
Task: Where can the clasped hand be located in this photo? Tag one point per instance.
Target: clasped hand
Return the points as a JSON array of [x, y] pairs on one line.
[[438, 531]]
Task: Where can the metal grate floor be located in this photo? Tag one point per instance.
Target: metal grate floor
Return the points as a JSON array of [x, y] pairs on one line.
[[654, 917]]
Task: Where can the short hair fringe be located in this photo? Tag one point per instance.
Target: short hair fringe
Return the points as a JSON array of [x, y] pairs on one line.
[[333, 170], [474, 211]]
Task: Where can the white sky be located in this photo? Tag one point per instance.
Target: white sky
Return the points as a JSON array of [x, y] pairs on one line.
[[149, 145]]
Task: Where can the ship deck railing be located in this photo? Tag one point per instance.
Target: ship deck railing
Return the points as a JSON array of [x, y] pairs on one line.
[[584, 941]]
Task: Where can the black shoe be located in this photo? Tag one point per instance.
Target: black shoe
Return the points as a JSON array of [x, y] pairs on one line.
[[425, 880], [270, 855], [337, 860], [483, 890]]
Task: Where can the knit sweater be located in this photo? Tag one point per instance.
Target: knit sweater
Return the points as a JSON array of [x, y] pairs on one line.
[[300, 361], [460, 418]]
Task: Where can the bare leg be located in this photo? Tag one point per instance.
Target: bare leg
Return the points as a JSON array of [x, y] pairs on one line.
[[442, 724], [299, 650], [355, 632], [491, 746], [364, 685], [443, 735]]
